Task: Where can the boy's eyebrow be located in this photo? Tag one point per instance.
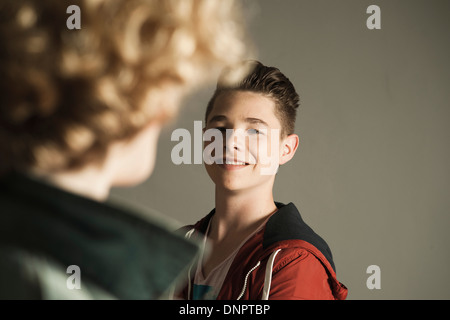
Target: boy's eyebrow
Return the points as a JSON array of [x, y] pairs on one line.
[[256, 121], [248, 120], [218, 118]]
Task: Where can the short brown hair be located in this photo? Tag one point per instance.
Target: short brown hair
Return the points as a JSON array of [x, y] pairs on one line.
[[265, 80], [65, 95]]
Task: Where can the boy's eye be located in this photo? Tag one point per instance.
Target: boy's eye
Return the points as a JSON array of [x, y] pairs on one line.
[[221, 129], [253, 131]]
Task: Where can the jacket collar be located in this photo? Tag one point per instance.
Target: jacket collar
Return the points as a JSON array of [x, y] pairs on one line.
[[130, 256], [287, 224], [284, 224]]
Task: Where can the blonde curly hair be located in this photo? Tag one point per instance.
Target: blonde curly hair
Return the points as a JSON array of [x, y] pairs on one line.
[[66, 95]]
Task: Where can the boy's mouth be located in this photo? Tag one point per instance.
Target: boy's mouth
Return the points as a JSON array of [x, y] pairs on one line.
[[231, 164], [236, 163]]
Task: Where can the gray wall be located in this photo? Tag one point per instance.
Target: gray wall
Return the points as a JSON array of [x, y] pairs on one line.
[[372, 171]]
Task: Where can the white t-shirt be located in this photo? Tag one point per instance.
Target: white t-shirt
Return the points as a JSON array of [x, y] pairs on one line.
[[208, 288]]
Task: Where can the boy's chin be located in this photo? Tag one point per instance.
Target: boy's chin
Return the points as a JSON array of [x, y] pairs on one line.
[[230, 188], [233, 187]]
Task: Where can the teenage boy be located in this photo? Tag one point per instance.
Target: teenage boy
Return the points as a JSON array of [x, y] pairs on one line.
[[259, 249]]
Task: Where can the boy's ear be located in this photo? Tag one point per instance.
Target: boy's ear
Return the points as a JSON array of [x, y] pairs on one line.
[[289, 146]]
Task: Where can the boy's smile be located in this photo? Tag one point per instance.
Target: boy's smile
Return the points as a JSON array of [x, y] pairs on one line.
[[246, 120], [233, 164]]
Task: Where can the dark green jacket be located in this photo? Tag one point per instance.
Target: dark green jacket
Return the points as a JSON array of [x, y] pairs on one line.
[[120, 255]]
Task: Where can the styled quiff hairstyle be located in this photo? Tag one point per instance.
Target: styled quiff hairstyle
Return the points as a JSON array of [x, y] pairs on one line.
[[66, 95], [268, 81]]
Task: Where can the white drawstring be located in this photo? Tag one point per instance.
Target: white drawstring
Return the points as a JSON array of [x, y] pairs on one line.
[[268, 277], [246, 278], [189, 233]]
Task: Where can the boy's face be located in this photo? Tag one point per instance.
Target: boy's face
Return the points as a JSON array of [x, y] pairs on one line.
[[250, 131]]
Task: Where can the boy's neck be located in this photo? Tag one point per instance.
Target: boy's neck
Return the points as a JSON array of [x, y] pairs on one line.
[[241, 211]]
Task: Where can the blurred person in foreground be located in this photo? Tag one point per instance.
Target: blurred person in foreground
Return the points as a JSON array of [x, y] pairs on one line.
[[80, 112]]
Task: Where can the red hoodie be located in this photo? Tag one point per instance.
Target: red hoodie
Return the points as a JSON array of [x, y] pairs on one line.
[[286, 260]]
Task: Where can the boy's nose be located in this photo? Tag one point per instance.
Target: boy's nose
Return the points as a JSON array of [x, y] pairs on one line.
[[234, 139]]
